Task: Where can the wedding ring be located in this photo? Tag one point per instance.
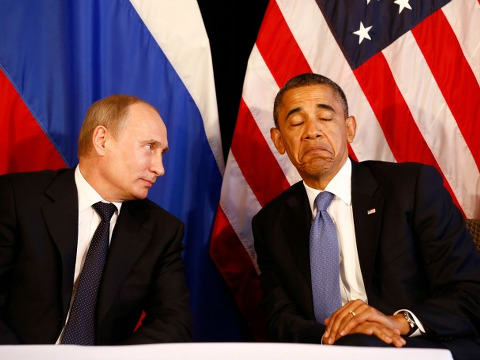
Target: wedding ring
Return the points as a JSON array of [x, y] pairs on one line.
[[353, 313]]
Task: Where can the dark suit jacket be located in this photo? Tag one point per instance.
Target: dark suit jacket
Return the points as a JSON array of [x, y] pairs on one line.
[[414, 250], [38, 243]]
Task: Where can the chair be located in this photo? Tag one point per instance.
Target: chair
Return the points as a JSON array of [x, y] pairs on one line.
[[473, 225]]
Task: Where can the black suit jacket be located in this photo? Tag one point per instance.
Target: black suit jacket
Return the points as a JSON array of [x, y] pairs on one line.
[[38, 242], [414, 250]]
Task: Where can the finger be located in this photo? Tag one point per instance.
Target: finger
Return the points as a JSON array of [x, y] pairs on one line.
[[341, 317], [386, 334], [361, 314]]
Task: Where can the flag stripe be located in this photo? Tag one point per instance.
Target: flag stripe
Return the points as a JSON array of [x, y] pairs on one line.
[[182, 19], [253, 156], [260, 88], [443, 53], [238, 272], [23, 143], [434, 120], [464, 17], [388, 105], [236, 193], [393, 113], [286, 59]]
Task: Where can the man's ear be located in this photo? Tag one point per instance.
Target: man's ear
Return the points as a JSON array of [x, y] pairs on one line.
[[351, 128], [276, 137], [99, 138]]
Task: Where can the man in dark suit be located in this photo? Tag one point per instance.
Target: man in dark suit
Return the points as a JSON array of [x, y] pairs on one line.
[[408, 273], [47, 221]]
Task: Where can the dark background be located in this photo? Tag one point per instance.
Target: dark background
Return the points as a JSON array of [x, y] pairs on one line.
[[232, 28]]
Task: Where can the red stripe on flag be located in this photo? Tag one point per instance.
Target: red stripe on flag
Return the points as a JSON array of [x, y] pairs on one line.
[[235, 265], [285, 59], [391, 110], [254, 157], [393, 114], [444, 56], [23, 144], [351, 153]]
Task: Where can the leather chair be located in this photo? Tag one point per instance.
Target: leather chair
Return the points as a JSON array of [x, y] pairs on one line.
[[473, 225]]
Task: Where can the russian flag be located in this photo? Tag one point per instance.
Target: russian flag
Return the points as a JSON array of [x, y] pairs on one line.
[[57, 57]]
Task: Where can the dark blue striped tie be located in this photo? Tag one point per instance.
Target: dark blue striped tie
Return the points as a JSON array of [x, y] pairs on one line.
[[80, 328], [324, 261]]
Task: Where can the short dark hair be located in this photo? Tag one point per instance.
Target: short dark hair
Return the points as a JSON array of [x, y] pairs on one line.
[[308, 79]]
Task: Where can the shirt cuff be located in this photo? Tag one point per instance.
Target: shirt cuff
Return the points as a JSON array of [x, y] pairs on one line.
[[420, 330]]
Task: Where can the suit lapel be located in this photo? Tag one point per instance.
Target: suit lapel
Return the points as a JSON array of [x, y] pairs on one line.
[[131, 236], [296, 225], [367, 202], [61, 219]]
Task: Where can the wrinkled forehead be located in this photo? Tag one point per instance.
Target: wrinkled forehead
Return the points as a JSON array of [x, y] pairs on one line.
[[321, 96]]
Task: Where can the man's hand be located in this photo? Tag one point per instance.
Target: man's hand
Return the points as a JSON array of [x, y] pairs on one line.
[[358, 317]]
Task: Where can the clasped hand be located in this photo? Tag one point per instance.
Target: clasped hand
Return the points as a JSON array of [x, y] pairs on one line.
[[357, 317]]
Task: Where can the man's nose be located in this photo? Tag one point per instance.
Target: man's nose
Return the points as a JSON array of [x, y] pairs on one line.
[[157, 165], [313, 128]]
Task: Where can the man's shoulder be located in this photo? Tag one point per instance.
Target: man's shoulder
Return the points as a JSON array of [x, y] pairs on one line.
[[378, 165], [385, 169], [290, 196], [150, 208], [33, 178]]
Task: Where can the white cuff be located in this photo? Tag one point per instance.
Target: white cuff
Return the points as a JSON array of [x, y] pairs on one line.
[[420, 330]]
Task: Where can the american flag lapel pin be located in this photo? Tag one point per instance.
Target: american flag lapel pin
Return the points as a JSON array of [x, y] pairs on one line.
[[371, 211]]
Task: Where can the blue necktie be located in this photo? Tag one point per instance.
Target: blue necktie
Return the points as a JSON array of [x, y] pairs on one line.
[[324, 261], [80, 328]]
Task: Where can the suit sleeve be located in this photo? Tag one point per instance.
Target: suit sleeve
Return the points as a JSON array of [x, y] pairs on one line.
[[167, 314], [451, 262], [285, 321], [7, 255]]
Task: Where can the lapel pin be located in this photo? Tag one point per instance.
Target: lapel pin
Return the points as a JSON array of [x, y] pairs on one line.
[[371, 211]]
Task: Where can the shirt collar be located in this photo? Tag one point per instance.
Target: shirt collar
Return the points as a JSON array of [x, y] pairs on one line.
[[87, 196], [340, 186]]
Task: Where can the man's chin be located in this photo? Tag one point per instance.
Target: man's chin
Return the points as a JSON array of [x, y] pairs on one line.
[[139, 194], [316, 167], [316, 161]]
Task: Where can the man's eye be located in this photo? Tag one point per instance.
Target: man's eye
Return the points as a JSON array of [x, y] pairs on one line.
[[296, 123], [149, 146]]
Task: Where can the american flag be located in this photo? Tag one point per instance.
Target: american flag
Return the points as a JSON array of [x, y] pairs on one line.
[[411, 73]]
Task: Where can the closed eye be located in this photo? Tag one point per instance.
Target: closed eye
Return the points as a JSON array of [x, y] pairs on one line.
[[296, 123]]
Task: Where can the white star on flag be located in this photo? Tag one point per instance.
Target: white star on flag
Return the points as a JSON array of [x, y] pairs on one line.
[[402, 4], [363, 33]]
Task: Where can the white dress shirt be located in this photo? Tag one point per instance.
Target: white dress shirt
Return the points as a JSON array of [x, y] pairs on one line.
[[340, 210], [88, 221], [88, 218], [351, 280]]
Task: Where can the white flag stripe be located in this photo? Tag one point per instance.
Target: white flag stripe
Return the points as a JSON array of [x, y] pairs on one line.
[[464, 18], [193, 63], [259, 93], [433, 118], [237, 194], [313, 35]]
